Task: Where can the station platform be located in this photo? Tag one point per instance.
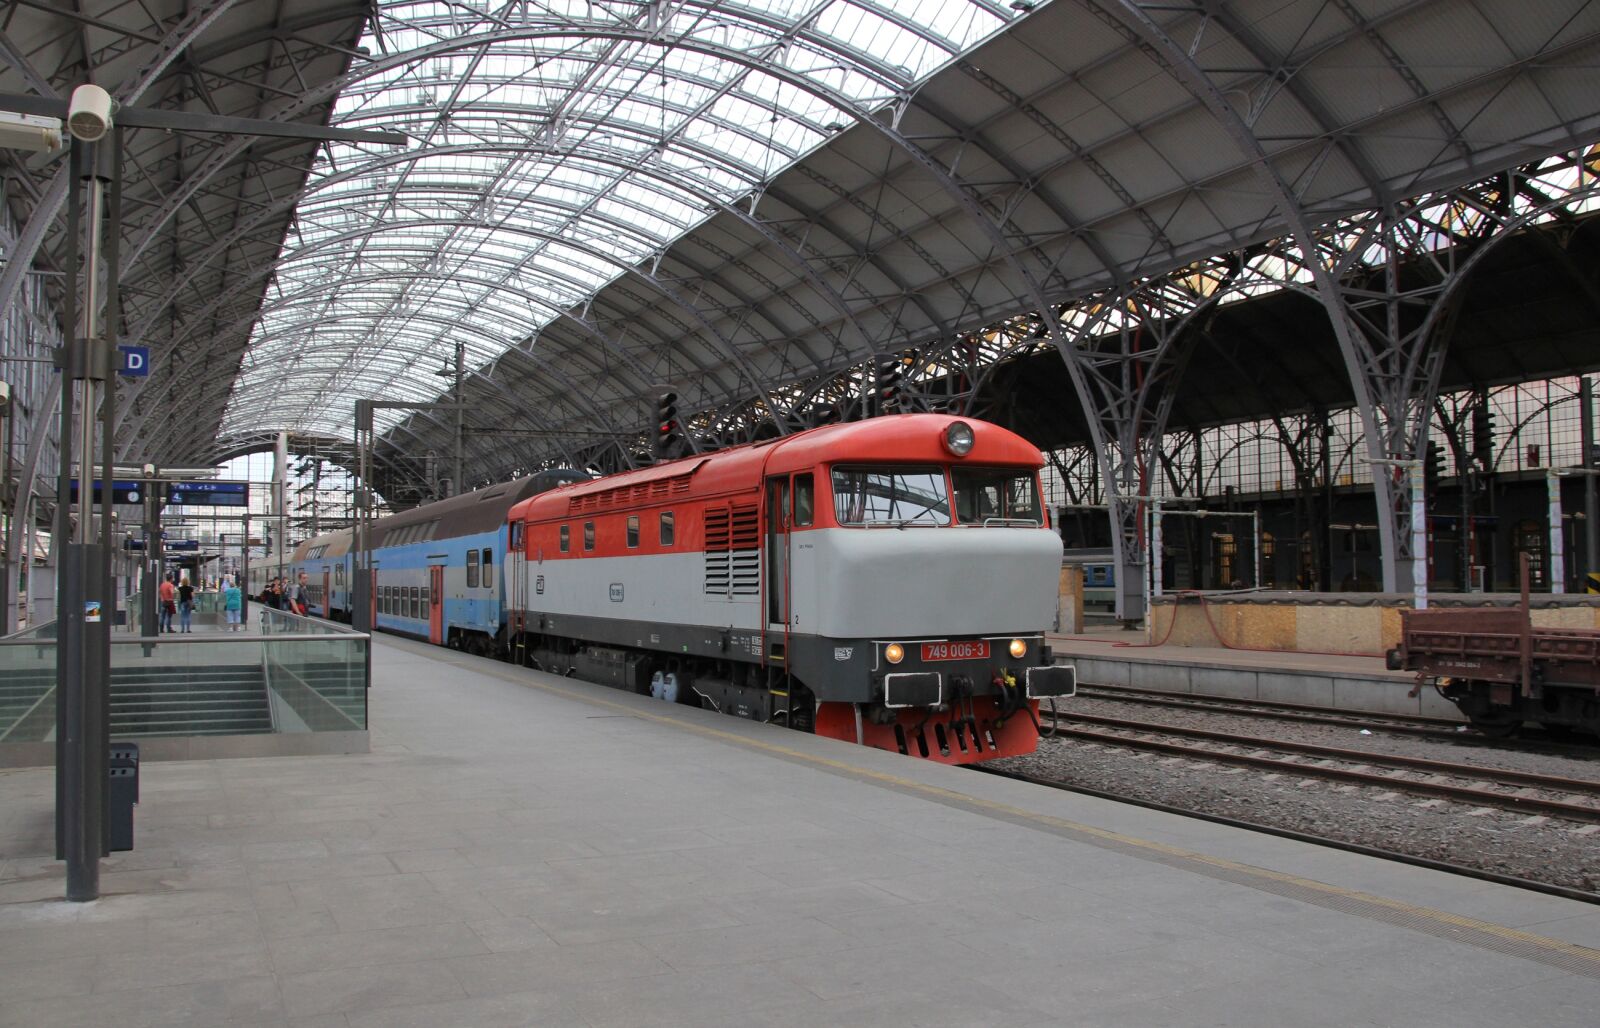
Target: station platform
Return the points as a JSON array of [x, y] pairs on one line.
[[1108, 655], [523, 849]]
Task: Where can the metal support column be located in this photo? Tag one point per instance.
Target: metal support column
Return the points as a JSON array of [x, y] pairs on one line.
[[458, 484], [150, 579], [1591, 488], [83, 646], [1157, 563], [1556, 566], [361, 563]]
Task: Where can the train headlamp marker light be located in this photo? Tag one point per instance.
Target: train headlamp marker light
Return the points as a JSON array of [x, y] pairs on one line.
[[958, 438], [894, 653], [1019, 649]]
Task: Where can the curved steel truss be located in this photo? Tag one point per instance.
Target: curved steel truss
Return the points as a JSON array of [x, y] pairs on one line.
[[757, 202]]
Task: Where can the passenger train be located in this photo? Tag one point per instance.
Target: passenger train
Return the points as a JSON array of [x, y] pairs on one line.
[[887, 582]]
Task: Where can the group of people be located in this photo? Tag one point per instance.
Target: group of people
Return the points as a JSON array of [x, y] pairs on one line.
[[279, 594], [176, 600]]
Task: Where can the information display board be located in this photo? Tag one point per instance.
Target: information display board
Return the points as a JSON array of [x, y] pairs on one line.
[[121, 492], [209, 494]]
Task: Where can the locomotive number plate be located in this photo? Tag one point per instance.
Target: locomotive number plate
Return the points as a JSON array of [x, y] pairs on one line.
[[974, 650]]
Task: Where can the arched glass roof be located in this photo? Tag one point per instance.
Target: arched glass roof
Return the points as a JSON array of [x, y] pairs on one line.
[[554, 147]]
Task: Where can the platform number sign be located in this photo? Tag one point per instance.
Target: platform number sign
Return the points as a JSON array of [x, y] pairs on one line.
[[135, 361]]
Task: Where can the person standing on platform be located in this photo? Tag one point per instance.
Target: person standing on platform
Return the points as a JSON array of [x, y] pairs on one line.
[[168, 595], [300, 600], [186, 603], [232, 604]]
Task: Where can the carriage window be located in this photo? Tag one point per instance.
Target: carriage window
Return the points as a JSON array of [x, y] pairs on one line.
[[488, 568], [805, 500], [666, 528], [588, 535], [472, 569], [891, 496], [566, 538], [515, 542], [414, 602], [633, 531], [985, 495]]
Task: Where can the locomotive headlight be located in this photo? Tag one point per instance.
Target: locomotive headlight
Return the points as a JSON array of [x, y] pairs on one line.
[[894, 653], [958, 438], [1018, 649]]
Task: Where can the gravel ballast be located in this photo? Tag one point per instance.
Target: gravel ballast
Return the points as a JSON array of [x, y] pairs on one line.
[[1537, 848]]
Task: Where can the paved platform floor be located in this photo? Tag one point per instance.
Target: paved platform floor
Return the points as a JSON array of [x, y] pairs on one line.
[[520, 849]]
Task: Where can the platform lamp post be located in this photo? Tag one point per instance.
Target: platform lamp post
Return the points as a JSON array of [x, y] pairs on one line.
[[83, 651]]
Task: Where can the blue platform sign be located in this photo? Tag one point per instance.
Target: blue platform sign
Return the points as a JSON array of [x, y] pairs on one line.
[[121, 492], [183, 546], [209, 494], [135, 361]]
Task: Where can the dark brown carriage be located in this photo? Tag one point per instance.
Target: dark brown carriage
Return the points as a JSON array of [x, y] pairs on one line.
[[1501, 669]]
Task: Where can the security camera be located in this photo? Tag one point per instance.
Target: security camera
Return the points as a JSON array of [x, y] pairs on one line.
[[89, 113]]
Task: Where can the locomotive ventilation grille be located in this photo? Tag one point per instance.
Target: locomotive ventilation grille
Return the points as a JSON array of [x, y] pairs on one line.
[[629, 495], [733, 551]]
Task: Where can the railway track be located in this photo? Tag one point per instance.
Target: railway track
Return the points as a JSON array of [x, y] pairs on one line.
[[1466, 870], [1520, 791], [1420, 726]]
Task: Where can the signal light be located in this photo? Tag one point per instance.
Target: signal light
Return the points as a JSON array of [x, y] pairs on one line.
[[887, 380], [668, 434], [1483, 433], [1433, 467]]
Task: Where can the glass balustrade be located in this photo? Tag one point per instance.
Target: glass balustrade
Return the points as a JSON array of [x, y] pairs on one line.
[[282, 673]]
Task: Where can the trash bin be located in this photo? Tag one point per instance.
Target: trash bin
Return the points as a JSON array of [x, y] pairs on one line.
[[122, 792]]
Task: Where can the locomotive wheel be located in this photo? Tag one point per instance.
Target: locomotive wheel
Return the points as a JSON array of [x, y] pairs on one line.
[[1497, 728]]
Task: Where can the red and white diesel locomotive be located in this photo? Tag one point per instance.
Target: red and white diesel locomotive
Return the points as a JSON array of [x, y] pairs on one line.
[[886, 581]]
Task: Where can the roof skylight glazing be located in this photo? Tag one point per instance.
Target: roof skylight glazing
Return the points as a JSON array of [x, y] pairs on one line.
[[554, 145]]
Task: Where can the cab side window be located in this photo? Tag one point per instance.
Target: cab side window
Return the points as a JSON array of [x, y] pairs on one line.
[[566, 538], [633, 531], [667, 528], [805, 500], [588, 535]]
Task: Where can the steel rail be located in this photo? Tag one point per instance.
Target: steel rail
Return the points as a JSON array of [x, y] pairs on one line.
[[1464, 870], [1502, 776], [1481, 797], [1418, 725]]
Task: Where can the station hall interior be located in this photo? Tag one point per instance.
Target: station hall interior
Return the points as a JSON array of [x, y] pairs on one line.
[[539, 511]]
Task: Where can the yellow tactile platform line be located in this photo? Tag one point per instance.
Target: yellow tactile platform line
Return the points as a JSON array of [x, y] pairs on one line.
[[1472, 931]]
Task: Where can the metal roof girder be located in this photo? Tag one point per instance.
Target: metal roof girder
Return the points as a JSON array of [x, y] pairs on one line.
[[354, 233]]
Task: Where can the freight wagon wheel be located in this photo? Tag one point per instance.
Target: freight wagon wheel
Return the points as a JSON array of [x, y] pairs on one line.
[[1497, 728]]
